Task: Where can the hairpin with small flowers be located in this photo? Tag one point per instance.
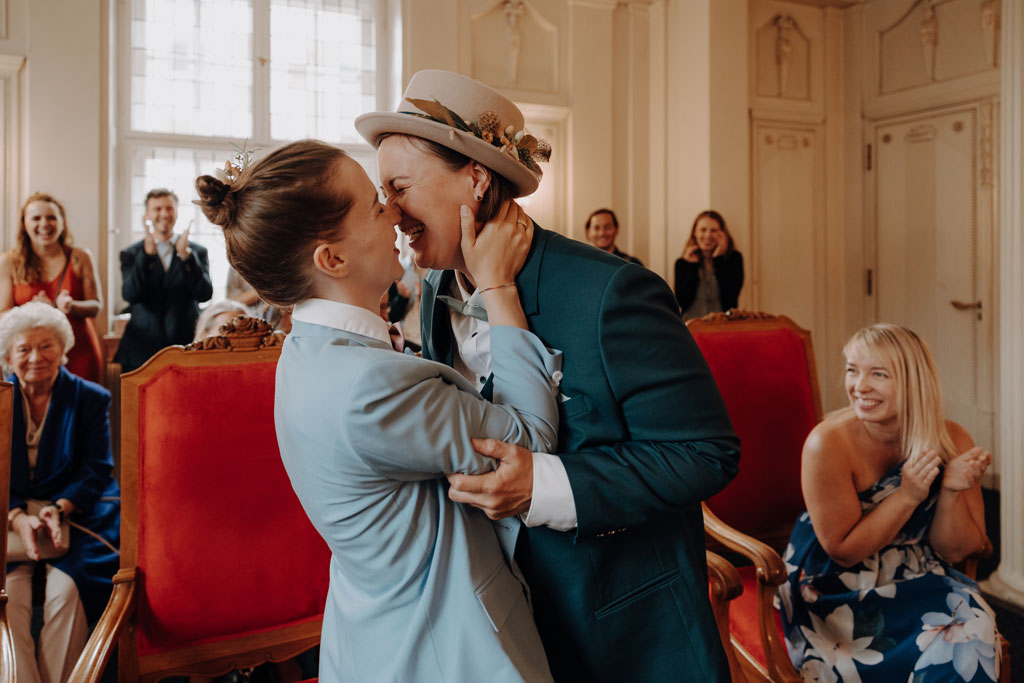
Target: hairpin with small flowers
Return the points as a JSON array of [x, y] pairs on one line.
[[236, 163]]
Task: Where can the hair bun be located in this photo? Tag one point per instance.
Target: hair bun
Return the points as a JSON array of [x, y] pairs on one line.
[[216, 199]]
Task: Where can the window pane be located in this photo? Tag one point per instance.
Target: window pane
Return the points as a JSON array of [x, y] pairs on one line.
[[191, 67], [177, 169], [322, 74]]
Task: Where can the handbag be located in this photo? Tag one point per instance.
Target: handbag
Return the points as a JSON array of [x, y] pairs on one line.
[[16, 551]]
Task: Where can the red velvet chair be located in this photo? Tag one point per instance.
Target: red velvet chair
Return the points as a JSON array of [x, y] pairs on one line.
[[220, 567], [6, 419], [764, 367]]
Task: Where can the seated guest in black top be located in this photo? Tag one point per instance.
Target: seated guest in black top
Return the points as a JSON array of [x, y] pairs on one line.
[[709, 276], [164, 278], [602, 227]]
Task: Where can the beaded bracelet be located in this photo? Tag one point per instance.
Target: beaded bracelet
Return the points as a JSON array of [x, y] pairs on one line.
[[507, 284]]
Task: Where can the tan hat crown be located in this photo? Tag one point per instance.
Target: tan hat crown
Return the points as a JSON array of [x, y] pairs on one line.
[[469, 117]]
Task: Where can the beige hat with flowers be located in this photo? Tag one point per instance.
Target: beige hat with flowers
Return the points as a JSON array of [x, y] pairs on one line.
[[468, 117]]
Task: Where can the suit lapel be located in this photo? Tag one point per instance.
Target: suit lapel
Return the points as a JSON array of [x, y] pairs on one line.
[[528, 280], [436, 328], [55, 437]]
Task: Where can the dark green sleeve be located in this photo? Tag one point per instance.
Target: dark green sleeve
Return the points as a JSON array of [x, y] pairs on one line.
[[682, 447]]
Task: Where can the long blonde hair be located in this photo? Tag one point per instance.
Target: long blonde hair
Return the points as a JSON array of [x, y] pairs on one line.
[[922, 423]]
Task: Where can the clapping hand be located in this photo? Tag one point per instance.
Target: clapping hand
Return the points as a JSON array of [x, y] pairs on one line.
[[26, 526], [181, 246], [965, 470], [149, 241], [919, 471], [64, 302]]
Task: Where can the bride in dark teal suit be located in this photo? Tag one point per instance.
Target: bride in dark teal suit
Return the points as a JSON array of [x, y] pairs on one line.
[[421, 588]]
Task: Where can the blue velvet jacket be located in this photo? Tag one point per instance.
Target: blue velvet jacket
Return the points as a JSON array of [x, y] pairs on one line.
[[74, 462]]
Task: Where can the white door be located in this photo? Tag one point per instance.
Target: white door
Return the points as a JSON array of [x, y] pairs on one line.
[[932, 191]]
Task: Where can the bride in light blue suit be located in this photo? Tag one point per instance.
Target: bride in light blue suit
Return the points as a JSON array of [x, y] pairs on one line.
[[421, 589]]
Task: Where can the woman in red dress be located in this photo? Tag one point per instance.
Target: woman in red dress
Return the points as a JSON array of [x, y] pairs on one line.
[[44, 266]]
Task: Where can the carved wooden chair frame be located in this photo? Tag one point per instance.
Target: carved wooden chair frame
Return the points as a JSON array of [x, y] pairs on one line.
[[243, 340], [6, 421], [769, 567]]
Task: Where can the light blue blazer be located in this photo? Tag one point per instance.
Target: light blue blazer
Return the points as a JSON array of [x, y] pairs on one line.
[[420, 587]]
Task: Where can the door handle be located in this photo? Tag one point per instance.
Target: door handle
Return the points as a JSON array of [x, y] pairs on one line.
[[964, 306]]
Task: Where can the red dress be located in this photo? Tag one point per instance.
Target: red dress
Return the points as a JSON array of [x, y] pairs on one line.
[[85, 358]]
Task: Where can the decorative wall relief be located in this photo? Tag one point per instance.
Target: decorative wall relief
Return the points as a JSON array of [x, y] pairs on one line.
[[990, 16], [514, 45], [937, 40], [921, 133], [783, 59], [985, 143]]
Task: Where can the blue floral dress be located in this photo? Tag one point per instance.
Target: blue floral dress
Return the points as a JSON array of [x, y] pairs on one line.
[[900, 615]]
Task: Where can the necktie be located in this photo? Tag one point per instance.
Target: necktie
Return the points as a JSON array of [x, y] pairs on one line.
[[478, 312]]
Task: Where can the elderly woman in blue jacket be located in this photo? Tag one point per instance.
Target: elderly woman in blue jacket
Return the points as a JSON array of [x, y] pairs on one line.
[[60, 469], [421, 589]]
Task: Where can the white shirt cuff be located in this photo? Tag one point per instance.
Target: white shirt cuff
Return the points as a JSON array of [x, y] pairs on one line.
[[553, 504]]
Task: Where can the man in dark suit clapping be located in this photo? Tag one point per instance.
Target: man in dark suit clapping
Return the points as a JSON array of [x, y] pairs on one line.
[[164, 278]]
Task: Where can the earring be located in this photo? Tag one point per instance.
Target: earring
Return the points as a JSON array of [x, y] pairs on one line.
[[478, 196]]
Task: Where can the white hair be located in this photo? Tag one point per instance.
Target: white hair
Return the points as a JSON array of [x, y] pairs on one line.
[[205, 319], [30, 316]]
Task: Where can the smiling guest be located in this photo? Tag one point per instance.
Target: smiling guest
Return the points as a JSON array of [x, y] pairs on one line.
[[46, 267], [893, 499], [709, 275], [602, 229], [164, 278], [61, 468]]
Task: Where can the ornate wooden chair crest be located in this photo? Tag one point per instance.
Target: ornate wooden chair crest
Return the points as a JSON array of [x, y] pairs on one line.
[[220, 567], [764, 367], [6, 420]]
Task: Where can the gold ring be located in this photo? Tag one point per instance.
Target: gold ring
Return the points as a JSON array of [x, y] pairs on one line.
[[522, 222]]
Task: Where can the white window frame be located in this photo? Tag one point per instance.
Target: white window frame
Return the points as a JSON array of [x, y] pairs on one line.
[[127, 142]]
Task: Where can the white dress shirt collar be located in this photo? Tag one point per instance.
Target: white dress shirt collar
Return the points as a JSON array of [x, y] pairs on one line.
[[346, 317]]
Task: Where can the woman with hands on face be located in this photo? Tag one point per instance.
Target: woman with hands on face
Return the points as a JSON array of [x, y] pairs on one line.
[[44, 266], [709, 274], [893, 500]]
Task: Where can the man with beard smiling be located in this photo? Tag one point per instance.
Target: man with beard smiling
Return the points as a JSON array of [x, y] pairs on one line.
[[164, 279]]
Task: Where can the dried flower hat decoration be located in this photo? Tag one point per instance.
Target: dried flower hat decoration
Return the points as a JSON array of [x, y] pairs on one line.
[[475, 120], [519, 145]]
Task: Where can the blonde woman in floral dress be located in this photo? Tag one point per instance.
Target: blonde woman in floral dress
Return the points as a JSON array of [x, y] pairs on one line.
[[893, 498]]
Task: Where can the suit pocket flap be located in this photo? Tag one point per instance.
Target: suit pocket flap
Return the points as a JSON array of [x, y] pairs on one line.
[[499, 595]]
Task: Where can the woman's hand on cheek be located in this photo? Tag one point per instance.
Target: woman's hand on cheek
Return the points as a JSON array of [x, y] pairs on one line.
[[495, 255]]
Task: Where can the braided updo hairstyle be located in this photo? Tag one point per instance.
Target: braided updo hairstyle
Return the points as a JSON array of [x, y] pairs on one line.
[[274, 214]]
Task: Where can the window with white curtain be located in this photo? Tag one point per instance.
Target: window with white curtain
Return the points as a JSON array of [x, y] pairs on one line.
[[199, 80]]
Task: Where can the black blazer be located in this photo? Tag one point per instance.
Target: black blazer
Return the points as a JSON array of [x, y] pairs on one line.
[[728, 271], [164, 305]]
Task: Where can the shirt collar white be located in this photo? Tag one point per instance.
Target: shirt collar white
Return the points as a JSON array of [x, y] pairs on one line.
[[346, 317], [461, 290]]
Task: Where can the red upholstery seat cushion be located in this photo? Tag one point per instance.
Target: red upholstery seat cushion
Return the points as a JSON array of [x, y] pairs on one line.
[[764, 378], [225, 549], [743, 616]]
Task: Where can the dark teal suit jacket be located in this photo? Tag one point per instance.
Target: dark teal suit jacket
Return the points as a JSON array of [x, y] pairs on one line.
[[644, 437]]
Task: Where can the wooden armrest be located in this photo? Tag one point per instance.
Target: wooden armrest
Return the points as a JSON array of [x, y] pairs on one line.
[[104, 637], [771, 570], [6, 644], [725, 580]]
